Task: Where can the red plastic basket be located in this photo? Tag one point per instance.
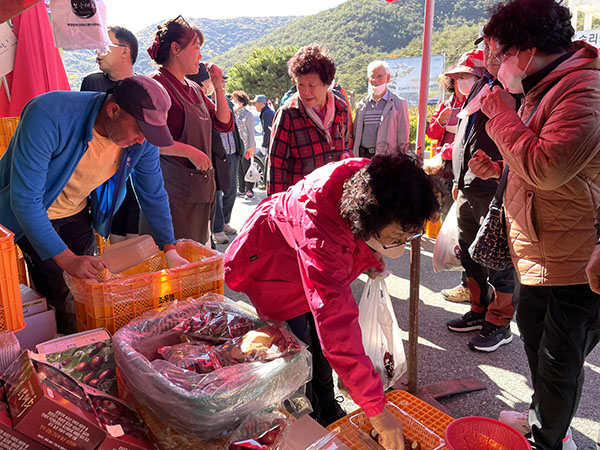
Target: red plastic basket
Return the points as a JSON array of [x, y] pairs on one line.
[[483, 433]]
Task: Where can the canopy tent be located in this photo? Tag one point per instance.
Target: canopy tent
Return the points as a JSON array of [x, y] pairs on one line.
[[38, 65]]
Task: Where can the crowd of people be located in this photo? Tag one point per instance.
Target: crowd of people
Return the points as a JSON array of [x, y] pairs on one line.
[[168, 153]]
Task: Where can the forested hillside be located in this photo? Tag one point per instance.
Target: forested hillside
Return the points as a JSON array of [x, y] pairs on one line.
[[221, 36]]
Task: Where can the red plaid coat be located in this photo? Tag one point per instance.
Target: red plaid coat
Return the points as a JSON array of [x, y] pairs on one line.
[[298, 146]]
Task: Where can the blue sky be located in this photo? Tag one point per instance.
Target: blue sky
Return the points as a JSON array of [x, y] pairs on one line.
[[137, 14]]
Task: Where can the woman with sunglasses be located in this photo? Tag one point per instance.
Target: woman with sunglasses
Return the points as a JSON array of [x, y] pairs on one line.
[[186, 165], [300, 250]]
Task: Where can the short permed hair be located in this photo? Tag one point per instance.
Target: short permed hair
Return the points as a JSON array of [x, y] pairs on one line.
[[126, 37], [543, 24], [447, 83], [390, 189], [313, 58], [241, 97]]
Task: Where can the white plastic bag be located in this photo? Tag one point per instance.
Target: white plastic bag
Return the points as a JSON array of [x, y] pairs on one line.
[[380, 332], [252, 174], [79, 24], [446, 252]]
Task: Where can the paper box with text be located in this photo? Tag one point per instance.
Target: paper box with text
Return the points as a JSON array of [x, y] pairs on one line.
[[49, 406], [11, 439]]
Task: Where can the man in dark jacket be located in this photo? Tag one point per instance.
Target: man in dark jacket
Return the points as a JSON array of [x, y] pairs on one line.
[[266, 118], [491, 291]]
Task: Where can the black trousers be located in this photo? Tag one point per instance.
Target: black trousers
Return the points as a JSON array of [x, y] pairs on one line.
[[76, 232], [560, 326], [319, 390], [243, 185]]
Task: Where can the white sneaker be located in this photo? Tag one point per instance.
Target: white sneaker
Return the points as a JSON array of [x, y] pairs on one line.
[[520, 422]]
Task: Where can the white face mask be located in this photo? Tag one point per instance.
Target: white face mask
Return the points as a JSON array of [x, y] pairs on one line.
[[511, 76], [464, 85], [394, 253], [379, 90]]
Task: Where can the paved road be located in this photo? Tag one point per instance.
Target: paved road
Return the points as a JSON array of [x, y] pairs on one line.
[[444, 355]]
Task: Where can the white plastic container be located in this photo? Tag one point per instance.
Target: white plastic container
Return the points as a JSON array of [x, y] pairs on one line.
[[125, 254]]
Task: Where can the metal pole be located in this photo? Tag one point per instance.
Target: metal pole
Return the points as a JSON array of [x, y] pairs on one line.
[[415, 247]]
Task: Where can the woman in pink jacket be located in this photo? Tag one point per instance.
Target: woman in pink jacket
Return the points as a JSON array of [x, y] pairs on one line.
[[297, 254]]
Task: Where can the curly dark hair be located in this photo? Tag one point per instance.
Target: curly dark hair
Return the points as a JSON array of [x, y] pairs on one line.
[[313, 58], [241, 97], [447, 84], [543, 24], [174, 30], [390, 189]]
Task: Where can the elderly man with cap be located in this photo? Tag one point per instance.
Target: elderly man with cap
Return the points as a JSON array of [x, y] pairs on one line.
[[64, 172], [266, 118]]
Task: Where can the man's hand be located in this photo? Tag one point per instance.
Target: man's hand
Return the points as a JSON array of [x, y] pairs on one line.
[[79, 266], [454, 191], [592, 270], [174, 260], [250, 153], [483, 167], [389, 429], [497, 101]]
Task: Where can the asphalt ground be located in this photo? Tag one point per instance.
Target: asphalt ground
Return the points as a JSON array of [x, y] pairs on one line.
[[444, 355]]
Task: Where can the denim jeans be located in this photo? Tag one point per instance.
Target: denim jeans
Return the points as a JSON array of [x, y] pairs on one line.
[[224, 200]]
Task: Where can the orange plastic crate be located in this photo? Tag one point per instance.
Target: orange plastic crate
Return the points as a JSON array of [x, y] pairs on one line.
[[431, 418], [8, 125], [113, 300], [11, 309]]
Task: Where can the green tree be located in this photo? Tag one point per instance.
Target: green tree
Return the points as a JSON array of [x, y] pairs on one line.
[[264, 72]]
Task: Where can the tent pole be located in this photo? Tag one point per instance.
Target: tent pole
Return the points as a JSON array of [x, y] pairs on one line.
[[415, 247], [5, 83]]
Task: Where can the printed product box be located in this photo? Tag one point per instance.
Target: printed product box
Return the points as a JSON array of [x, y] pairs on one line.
[[33, 303], [125, 430], [11, 439], [49, 406], [86, 356]]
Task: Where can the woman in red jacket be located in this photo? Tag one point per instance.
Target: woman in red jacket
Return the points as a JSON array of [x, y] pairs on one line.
[[297, 254]]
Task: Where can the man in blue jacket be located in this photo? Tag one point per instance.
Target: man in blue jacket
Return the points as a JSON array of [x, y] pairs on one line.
[[64, 172]]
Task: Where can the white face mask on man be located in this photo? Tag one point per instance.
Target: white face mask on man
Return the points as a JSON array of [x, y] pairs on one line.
[[511, 76], [394, 252], [379, 90]]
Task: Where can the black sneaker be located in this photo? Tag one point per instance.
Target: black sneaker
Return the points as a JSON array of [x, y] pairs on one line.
[[490, 337], [471, 321]]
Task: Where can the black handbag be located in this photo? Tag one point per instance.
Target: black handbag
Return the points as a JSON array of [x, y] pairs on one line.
[[490, 246]]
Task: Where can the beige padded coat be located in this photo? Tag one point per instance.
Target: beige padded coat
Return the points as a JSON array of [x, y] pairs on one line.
[[553, 190]]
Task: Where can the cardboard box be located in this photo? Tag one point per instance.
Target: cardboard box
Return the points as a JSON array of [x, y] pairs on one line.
[[125, 430], [86, 356], [50, 407], [11, 439], [38, 328], [33, 302]]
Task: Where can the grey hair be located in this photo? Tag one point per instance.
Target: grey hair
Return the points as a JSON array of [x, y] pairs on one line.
[[378, 63]]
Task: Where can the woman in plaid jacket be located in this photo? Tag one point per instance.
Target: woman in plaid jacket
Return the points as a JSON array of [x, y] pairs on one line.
[[311, 129]]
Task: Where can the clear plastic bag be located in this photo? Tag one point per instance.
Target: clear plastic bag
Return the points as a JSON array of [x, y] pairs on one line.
[[380, 332], [187, 403], [252, 174], [446, 252]]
